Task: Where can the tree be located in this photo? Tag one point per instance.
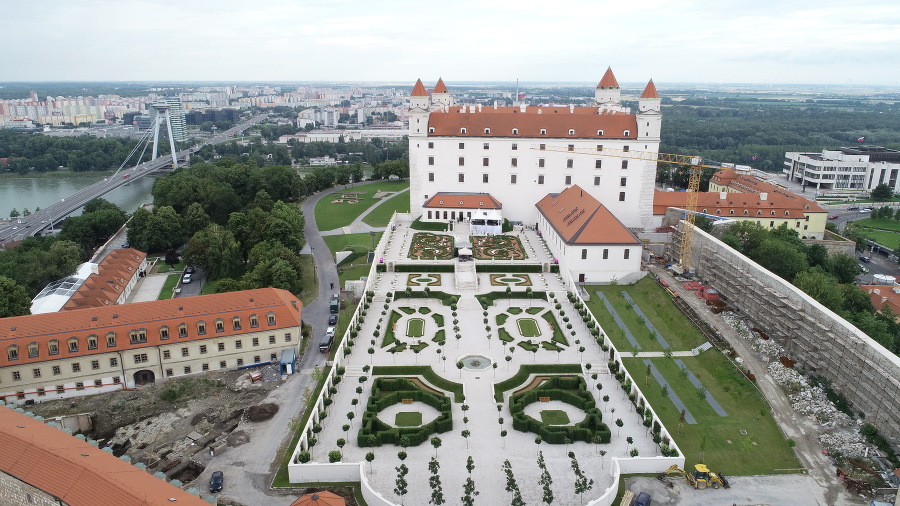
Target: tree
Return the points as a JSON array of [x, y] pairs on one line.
[[469, 491], [546, 481], [821, 287], [369, 458], [437, 490], [334, 456], [882, 192], [466, 435], [436, 443], [780, 257], [619, 424], [14, 299], [401, 485], [511, 485], [582, 483], [215, 250]]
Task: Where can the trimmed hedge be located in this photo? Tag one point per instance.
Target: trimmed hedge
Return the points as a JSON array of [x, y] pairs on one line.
[[558, 389], [526, 370], [558, 335], [428, 226], [389, 337], [490, 297], [374, 432], [445, 298], [424, 268], [425, 372], [508, 268]]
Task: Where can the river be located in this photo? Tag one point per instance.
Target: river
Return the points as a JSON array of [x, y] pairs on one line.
[[33, 192]]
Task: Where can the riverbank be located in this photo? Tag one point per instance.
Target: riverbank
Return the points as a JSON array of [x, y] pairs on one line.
[[63, 173]]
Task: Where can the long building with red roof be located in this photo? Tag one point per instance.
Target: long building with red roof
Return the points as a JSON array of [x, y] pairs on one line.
[[521, 153], [43, 465], [99, 349]]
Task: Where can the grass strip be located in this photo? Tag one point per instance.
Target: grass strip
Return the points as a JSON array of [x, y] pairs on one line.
[[554, 417], [415, 327], [528, 327], [389, 337], [426, 372], [526, 370], [281, 477], [558, 335]]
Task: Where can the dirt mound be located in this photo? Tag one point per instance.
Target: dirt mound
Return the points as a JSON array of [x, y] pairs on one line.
[[262, 412]]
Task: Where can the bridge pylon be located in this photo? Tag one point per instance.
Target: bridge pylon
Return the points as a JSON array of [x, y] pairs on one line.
[[162, 114]]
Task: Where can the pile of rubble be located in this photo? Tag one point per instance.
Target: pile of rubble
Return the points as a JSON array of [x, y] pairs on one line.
[[849, 443], [767, 348]]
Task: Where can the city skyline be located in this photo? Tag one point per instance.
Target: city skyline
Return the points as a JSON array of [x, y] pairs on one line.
[[799, 42]]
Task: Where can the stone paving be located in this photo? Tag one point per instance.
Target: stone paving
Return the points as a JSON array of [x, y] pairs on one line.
[[484, 444]]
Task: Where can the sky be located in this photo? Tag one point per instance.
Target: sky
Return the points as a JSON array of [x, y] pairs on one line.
[[671, 41]]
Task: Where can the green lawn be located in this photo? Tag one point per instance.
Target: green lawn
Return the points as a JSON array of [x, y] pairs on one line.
[[168, 286], [360, 243], [330, 216], [408, 419], [554, 417], [879, 223], [885, 238], [415, 327], [677, 330], [381, 215], [746, 408], [310, 281], [528, 327]]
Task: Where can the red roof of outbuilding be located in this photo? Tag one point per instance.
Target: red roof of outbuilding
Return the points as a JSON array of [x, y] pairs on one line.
[[579, 218], [419, 90], [555, 121], [113, 275], [779, 202], [650, 91], [463, 200], [608, 80], [440, 87], [75, 471]]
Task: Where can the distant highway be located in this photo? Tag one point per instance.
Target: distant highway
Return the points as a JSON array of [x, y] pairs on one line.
[[33, 224]]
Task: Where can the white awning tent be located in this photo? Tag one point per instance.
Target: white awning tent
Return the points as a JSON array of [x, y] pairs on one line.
[[465, 252], [487, 222]]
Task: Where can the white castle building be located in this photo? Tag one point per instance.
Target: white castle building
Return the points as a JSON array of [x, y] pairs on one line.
[[518, 155]]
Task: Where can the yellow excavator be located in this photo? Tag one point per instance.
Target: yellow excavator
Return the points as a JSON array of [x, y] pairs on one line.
[[701, 478]]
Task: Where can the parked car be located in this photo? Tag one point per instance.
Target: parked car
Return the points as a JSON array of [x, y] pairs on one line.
[[833, 217], [332, 320], [853, 208], [186, 279], [865, 210], [216, 481], [189, 269], [865, 259]]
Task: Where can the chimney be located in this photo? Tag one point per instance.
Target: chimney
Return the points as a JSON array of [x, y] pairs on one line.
[[471, 108], [571, 109], [522, 107], [876, 291], [495, 105], [479, 107], [763, 196], [723, 195]]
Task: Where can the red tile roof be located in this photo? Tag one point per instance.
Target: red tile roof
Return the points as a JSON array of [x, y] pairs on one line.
[[555, 120], [650, 91], [440, 87], [463, 200], [781, 202], [123, 319], [608, 80], [887, 296], [75, 471], [419, 90], [579, 218], [745, 182], [106, 286]]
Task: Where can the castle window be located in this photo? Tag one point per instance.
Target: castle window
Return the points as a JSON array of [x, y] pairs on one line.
[[73, 345], [540, 162], [462, 177], [484, 179], [605, 253], [773, 213], [462, 145], [271, 318], [53, 347], [515, 147], [543, 131], [759, 213], [138, 336], [182, 330], [515, 132], [621, 196], [568, 180], [431, 144], [731, 211], [462, 130], [76, 367], [201, 328], [623, 181], [624, 164], [220, 325], [718, 211], [254, 320], [512, 178], [570, 163], [430, 160], [626, 149], [12, 353], [584, 253], [787, 213], [485, 162], [462, 161], [92, 342], [57, 370], [541, 179], [627, 253], [598, 164], [32, 350], [514, 162], [36, 372], [542, 147], [746, 212], [164, 333], [167, 354], [571, 132], [596, 180], [111, 340], [431, 177], [236, 323]]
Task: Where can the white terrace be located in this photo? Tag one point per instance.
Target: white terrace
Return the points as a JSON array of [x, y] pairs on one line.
[[526, 319]]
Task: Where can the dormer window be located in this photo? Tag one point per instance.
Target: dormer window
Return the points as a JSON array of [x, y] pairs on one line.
[[460, 202], [431, 130], [254, 321], [53, 347], [270, 317], [718, 211], [111, 340], [201, 328], [515, 131], [543, 131], [571, 131], [236, 323], [787, 213], [32, 350], [220, 325], [164, 332], [481, 203], [462, 130], [731, 212], [773, 213], [182, 330], [441, 202], [599, 134], [73, 345], [746, 212], [759, 213], [626, 133], [12, 353], [92, 342], [487, 130]]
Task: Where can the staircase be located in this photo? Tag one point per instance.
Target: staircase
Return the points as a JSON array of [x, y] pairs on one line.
[[466, 278], [703, 347]]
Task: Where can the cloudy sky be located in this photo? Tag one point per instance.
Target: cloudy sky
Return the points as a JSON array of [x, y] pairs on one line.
[[719, 41]]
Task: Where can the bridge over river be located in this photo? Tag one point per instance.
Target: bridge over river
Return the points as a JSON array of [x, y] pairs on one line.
[[33, 224]]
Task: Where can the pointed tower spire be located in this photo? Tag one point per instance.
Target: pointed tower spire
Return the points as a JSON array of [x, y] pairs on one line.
[[650, 91], [607, 91], [440, 87], [608, 81], [419, 90]]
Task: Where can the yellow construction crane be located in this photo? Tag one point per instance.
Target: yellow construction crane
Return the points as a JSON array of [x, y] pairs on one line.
[[693, 161]]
